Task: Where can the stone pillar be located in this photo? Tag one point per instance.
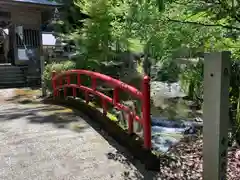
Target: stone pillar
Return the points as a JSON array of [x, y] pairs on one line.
[[42, 63], [215, 115]]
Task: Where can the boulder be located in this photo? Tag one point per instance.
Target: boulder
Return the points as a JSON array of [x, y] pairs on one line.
[[164, 93]]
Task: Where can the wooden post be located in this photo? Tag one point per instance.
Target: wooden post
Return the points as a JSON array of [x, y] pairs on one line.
[[215, 115], [54, 85], [44, 91], [146, 107]]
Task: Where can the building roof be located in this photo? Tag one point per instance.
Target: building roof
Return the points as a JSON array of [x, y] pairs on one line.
[[40, 2]]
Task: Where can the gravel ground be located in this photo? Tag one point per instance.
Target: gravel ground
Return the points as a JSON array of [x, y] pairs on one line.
[[36, 146], [45, 142]]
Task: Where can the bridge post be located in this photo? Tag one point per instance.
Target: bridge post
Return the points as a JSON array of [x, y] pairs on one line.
[[146, 113], [215, 115], [44, 90], [54, 83]]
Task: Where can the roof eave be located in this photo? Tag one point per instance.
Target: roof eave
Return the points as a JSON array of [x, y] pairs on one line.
[[34, 4]]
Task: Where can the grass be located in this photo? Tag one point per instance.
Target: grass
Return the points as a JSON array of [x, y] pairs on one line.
[[56, 111], [140, 68], [109, 115], [65, 110], [26, 92], [112, 117], [24, 96]]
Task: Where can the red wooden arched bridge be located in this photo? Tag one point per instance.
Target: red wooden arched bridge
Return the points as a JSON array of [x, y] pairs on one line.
[[63, 81]]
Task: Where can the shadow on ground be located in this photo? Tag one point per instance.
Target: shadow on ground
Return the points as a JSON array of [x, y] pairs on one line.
[[58, 116], [63, 117], [23, 96], [134, 169]]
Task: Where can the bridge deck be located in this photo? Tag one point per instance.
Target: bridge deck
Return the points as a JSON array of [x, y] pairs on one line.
[[37, 144]]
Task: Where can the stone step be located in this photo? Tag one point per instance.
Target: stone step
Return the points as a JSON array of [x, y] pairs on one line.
[[7, 73], [11, 76], [10, 70], [4, 74], [13, 80], [5, 64], [10, 67], [5, 86]]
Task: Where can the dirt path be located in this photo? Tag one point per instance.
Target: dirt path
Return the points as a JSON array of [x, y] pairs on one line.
[[43, 142]]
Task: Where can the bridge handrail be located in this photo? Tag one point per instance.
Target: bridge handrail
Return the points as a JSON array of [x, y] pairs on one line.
[[143, 96]]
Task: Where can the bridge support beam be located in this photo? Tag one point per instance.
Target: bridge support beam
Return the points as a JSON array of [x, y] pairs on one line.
[[146, 113], [44, 90], [215, 115]]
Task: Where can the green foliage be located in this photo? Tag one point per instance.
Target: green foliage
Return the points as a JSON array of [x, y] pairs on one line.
[[164, 29], [58, 67], [70, 18], [235, 99], [192, 80], [169, 72]]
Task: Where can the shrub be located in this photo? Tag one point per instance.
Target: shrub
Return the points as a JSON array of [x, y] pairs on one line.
[[58, 67]]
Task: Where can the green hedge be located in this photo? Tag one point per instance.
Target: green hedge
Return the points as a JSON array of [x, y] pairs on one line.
[[58, 67], [62, 66]]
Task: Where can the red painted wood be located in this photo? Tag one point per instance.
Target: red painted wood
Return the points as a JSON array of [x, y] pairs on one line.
[[94, 83], [79, 79], [115, 96], [144, 96], [54, 83], [146, 113], [74, 92], [109, 80], [68, 79]]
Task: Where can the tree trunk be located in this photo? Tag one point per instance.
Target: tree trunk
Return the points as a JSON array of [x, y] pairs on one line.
[[147, 65]]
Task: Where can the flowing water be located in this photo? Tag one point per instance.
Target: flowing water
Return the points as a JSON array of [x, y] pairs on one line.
[[170, 116]]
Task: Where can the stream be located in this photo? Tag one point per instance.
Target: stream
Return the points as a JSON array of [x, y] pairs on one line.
[[166, 132]]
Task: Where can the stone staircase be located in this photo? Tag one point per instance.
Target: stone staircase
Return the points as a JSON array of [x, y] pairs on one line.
[[11, 76]]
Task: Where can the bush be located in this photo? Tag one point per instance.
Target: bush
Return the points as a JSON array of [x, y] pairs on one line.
[[58, 67], [168, 72]]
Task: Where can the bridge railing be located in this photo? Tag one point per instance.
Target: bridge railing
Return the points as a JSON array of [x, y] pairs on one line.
[[143, 95]]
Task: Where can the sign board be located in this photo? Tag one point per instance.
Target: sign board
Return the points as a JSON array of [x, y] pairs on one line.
[[22, 55]]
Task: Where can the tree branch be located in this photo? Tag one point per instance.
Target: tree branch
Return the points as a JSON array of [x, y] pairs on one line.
[[203, 24], [231, 10], [237, 17]]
